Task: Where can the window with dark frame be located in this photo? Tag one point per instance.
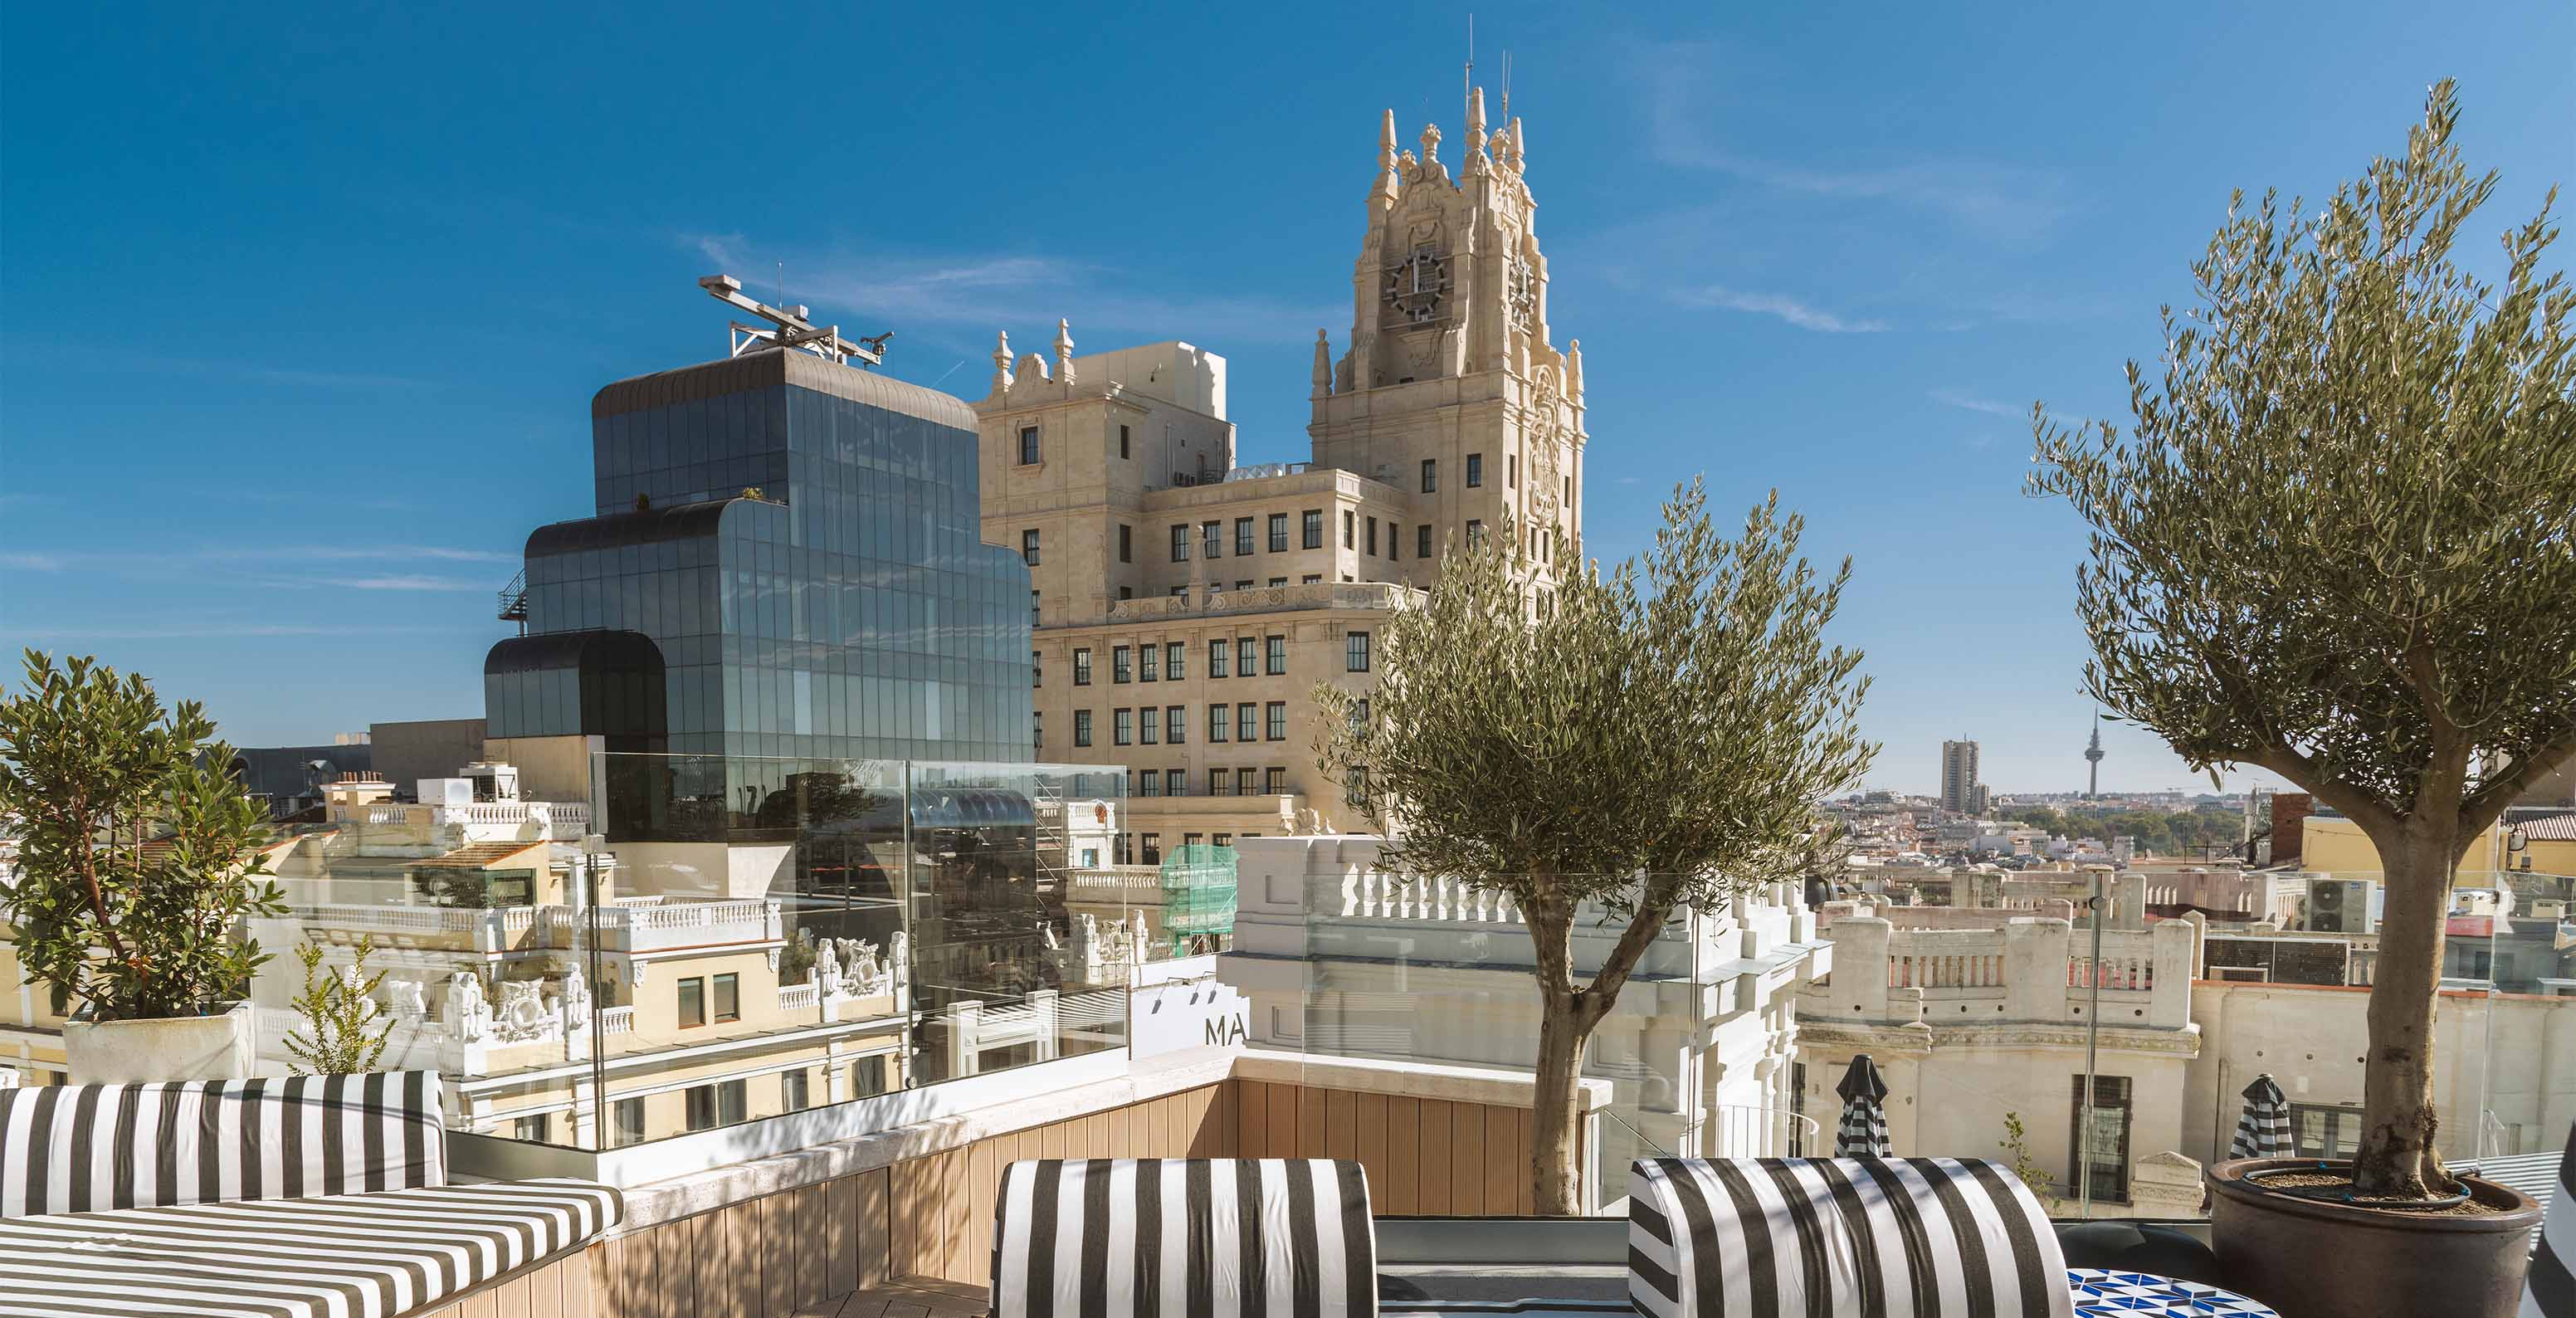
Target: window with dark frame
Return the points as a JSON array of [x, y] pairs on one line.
[[692, 1007], [1121, 670], [1276, 648], [1216, 657], [1314, 528], [1422, 541], [1176, 724], [1278, 533], [1274, 782], [1082, 665], [1028, 446], [1430, 475], [1181, 543], [1350, 529], [1372, 537], [1149, 662], [1247, 782], [728, 992], [1242, 537], [1149, 725], [1247, 656], [1220, 721], [1475, 470], [1029, 548], [1247, 722], [1355, 652], [1172, 652], [1126, 543], [1122, 443], [1122, 727], [1274, 719], [2109, 1146], [1082, 727]]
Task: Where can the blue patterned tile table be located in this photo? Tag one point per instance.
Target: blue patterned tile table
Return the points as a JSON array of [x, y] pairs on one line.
[[2102, 1293]]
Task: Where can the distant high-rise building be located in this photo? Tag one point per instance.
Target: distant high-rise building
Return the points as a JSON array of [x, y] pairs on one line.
[[1959, 777], [2093, 759]]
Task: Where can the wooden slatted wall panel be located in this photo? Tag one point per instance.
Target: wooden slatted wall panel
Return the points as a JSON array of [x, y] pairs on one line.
[[933, 1216]]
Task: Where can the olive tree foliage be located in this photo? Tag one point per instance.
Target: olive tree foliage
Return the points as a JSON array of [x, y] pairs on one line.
[[2337, 544], [1624, 747], [92, 767], [344, 1029]]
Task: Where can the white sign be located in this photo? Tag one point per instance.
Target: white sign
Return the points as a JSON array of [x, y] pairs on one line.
[[1188, 1013]]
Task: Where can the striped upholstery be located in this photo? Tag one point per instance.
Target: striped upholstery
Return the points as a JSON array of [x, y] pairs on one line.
[[2549, 1290], [346, 1256], [1822, 1238], [86, 1148], [1190, 1238]]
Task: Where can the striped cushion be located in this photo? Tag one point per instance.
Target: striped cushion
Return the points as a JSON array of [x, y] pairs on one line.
[[1794, 1237], [86, 1148], [1199, 1237], [346, 1256]]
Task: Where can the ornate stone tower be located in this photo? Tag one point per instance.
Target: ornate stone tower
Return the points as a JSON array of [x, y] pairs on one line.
[[1450, 389]]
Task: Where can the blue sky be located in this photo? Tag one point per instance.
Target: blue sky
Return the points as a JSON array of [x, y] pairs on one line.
[[300, 310]]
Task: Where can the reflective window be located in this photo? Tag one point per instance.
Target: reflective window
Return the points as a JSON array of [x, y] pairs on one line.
[[1120, 667], [1220, 721], [1475, 470], [1181, 544], [1247, 657], [1172, 659], [1355, 656], [1216, 657], [1082, 727], [1176, 723], [1247, 726], [1122, 727], [1028, 446], [1278, 533], [1277, 653], [1242, 536], [1275, 721], [1314, 528], [1082, 665]]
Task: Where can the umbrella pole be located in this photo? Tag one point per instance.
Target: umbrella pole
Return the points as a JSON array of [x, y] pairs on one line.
[[2092, 1042]]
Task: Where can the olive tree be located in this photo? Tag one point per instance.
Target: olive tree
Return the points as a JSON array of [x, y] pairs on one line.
[[2337, 544], [1621, 748], [94, 767]]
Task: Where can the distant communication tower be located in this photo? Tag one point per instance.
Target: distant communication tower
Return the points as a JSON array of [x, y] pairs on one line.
[[789, 328], [2093, 755]]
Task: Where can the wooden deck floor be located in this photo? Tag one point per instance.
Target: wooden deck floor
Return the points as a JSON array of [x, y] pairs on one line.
[[905, 1297]]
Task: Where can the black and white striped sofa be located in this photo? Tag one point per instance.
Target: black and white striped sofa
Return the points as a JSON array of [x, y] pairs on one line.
[[1201, 1237], [1789, 1237], [311, 1197]]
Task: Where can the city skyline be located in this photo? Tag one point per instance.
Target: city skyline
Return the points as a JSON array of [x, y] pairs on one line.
[[306, 525]]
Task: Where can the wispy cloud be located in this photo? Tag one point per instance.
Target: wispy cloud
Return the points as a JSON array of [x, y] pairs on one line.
[[1960, 399], [56, 560], [1787, 308], [1008, 291], [401, 581], [1985, 197], [210, 630], [32, 562]]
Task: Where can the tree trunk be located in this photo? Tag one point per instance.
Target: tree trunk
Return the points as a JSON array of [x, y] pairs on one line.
[[2396, 1157], [1556, 1178]]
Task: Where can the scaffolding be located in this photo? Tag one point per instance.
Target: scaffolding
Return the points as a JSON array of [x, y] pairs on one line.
[[1198, 895]]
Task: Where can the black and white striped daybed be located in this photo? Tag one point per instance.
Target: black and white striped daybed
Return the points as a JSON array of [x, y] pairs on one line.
[[1785, 1237], [1194, 1237], [312, 1197]]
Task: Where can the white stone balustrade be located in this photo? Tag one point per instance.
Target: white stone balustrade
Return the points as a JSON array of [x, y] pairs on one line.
[[2024, 970], [673, 925]]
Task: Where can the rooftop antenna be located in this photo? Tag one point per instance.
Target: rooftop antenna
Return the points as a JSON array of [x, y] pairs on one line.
[[789, 327]]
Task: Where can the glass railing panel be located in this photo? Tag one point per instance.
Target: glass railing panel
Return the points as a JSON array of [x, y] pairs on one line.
[[783, 935]]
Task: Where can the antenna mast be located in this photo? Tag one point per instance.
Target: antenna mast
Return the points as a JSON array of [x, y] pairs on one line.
[[789, 328]]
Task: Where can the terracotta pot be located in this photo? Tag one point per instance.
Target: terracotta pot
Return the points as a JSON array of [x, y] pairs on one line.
[[2319, 1260], [216, 1047]]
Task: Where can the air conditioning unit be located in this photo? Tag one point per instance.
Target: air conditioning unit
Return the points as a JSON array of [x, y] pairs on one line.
[[2341, 906]]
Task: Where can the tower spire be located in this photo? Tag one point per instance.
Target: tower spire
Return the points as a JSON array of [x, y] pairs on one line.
[[1002, 361], [2093, 757]]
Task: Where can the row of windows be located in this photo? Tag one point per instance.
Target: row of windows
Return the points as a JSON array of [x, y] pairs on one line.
[[1030, 452], [693, 1001], [1152, 725], [1272, 781], [1248, 656], [1475, 472], [1212, 536]]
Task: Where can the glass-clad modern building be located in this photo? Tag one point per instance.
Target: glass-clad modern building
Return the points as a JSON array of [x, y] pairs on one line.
[[785, 563]]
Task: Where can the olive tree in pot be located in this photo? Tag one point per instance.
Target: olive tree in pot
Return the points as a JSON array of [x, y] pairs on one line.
[[2340, 544], [139, 863], [1636, 745]]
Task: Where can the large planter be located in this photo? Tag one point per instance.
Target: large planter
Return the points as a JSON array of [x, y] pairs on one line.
[[218, 1047], [2321, 1260]]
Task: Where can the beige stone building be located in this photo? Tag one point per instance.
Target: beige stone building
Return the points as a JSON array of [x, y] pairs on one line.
[[1185, 606]]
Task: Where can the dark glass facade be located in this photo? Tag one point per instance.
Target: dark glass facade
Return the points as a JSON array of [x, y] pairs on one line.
[[786, 564]]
